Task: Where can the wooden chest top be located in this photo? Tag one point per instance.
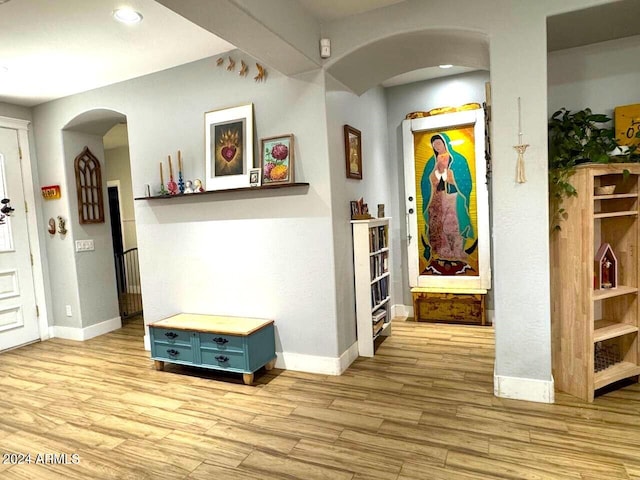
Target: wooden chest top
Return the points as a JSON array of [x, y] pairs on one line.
[[241, 326]]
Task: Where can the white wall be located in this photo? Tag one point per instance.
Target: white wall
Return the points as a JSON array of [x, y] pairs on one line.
[[118, 167], [404, 99], [95, 270], [600, 76], [368, 114], [263, 254]]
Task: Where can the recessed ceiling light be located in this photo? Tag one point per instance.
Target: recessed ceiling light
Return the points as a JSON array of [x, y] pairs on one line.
[[127, 15], [447, 65]]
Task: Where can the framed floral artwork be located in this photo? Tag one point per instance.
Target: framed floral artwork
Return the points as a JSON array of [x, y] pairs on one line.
[[276, 159], [229, 147], [353, 152]]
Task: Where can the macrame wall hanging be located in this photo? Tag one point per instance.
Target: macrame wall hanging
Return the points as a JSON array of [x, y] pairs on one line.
[[520, 148]]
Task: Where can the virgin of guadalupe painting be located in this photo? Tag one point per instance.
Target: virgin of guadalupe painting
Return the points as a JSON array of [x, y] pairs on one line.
[[447, 201], [448, 242]]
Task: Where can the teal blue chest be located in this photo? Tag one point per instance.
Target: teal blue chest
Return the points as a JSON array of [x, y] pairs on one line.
[[233, 353]]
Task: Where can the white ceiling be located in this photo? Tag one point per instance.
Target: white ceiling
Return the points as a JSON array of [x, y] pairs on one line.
[[425, 74], [327, 10], [51, 49]]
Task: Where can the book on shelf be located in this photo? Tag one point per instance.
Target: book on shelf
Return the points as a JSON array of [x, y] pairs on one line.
[[379, 315], [377, 327], [378, 265], [378, 238]]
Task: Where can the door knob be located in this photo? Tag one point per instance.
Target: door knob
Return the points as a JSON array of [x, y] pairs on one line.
[[7, 209]]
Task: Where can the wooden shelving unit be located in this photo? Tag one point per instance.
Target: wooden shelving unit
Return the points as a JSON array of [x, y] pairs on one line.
[[372, 281], [595, 331], [218, 192]]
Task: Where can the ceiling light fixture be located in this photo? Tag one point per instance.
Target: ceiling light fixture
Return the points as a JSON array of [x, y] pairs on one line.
[[446, 65], [127, 15]]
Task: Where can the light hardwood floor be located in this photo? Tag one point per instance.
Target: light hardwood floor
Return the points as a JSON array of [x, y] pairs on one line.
[[422, 408]]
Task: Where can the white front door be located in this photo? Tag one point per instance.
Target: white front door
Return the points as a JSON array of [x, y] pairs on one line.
[[18, 317]]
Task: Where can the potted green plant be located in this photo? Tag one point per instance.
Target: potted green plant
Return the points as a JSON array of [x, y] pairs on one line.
[[576, 138]]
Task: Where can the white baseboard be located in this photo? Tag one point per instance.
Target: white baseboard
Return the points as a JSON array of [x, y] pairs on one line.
[[528, 389], [81, 334], [400, 310], [307, 363], [317, 364]]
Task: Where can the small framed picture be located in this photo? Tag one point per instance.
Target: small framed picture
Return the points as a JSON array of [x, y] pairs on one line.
[[276, 159], [353, 152], [254, 177], [354, 209]]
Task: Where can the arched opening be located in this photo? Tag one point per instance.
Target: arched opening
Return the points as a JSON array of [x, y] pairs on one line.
[[106, 250], [391, 78]]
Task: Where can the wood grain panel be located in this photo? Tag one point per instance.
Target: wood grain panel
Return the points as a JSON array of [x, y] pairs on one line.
[[422, 408]]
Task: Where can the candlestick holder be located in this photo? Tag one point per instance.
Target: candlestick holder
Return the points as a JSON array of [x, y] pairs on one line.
[[163, 191], [180, 182], [172, 186]]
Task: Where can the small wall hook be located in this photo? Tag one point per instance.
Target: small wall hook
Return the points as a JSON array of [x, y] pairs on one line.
[[6, 207], [61, 227], [52, 226]]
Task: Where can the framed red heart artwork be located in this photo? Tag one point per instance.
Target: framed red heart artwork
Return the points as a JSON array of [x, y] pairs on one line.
[[229, 147]]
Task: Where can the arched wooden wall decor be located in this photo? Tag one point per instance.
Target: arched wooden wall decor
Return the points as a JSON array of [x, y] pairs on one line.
[[89, 186]]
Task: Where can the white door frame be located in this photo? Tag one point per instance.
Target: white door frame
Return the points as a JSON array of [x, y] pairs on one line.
[[22, 127]]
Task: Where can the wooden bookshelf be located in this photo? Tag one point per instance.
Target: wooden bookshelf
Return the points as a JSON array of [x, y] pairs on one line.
[[595, 331]]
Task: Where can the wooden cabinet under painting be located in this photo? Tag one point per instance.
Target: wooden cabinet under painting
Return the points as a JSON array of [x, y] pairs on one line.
[[89, 187]]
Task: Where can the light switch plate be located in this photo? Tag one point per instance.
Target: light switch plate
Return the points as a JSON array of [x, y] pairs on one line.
[[84, 245]]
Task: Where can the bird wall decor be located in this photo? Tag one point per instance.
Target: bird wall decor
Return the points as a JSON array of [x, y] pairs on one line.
[[262, 73], [244, 68]]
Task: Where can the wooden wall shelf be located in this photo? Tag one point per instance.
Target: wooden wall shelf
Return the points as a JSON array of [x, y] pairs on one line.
[[213, 192]]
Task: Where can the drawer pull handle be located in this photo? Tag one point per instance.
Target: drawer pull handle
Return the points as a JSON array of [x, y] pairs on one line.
[[220, 340], [171, 335], [173, 353], [222, 358]]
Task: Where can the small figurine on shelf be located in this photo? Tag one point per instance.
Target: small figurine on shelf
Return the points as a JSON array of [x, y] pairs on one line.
[[360, 210], [606, 273], [180, 179], [172, 186], [162, 191], [197, 186], [188, 187]]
